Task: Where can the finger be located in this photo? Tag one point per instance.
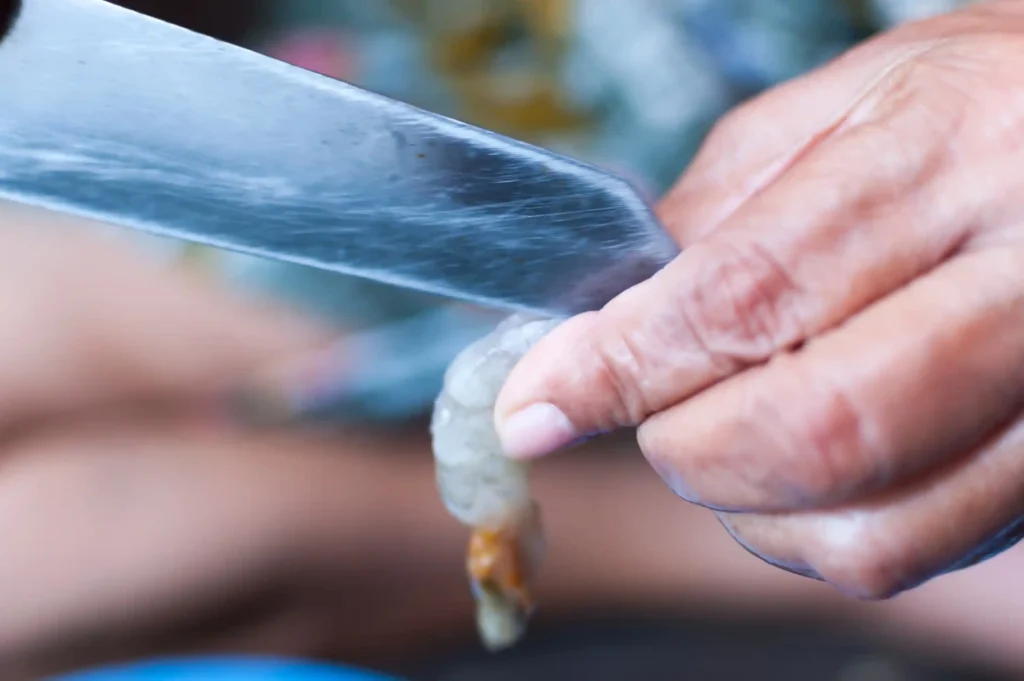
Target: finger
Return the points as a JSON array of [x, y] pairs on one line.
[[86, 321], [755, 144], [914, 379], [966, 512], [864, 212]]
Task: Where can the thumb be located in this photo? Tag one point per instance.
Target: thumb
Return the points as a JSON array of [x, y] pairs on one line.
[[723, 305], [595, 373], [738, 293]]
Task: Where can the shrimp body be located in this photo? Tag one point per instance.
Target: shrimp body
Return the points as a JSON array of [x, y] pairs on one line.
[[483, 488]]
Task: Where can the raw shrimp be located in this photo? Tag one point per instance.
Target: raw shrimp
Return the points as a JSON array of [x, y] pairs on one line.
[[483, 488]]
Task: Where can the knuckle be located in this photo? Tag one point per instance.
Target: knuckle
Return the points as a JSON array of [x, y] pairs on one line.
[[918, 91], [742, 304], [824, 453], [625, 366], [937, 92], [606, 386], [850, 553]]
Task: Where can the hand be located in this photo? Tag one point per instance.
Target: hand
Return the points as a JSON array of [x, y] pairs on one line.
[[135, 517], [835, 363]]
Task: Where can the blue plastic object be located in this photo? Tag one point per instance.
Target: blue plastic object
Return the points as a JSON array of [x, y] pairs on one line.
[[226, 669]]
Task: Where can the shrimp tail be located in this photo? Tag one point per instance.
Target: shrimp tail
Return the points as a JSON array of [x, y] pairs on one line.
[[486, 490]]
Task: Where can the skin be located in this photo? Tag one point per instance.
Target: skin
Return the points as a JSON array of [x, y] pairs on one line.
[[832, 361], [834, 364], [138, 518]]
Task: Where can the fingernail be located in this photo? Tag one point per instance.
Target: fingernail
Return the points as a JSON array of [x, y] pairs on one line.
[[535, 431]]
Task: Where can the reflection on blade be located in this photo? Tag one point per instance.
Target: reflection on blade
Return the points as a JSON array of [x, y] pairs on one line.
[[116, 116]]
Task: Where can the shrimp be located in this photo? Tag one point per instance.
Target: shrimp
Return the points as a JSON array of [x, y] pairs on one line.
[[486, 490]]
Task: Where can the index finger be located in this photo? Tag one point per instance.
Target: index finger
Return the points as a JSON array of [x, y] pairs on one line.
[[877, 203], [756, 144]]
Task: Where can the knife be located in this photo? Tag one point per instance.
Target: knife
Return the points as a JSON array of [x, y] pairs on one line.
[[111, 115]]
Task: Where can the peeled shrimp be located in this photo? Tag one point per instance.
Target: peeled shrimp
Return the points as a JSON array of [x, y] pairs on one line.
[[486, 490]]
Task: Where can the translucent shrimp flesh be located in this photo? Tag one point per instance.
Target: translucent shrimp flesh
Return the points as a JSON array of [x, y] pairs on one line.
[[483, 488]]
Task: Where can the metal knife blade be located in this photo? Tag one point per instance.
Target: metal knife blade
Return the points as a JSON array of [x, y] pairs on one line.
[[111, 115]]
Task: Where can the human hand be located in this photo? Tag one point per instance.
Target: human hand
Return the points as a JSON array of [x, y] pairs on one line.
[[136, 516], [835, 363]]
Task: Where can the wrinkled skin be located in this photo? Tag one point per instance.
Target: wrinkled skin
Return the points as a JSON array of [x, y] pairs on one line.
[[835, 363]]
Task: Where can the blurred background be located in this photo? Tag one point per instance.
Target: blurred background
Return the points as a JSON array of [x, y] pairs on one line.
[[639, 586]]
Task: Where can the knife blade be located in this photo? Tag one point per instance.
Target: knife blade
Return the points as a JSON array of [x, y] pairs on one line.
[[112, 115]]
